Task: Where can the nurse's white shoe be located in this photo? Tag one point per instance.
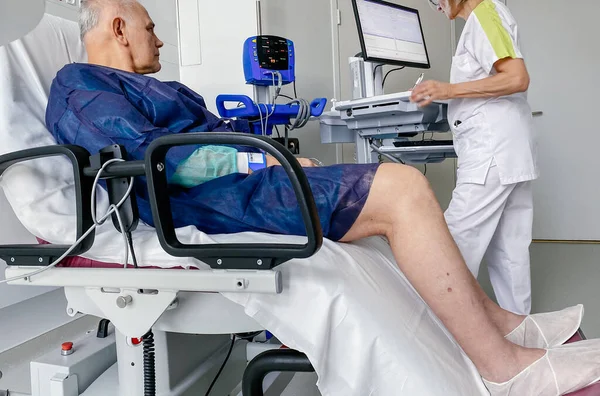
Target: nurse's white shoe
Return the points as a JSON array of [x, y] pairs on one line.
[[564, 369], [547, 330]]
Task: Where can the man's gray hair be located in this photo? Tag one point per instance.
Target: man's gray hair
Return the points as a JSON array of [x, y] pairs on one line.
[[91, 11]]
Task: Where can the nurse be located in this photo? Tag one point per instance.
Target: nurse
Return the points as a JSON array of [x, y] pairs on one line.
[[491, 212]]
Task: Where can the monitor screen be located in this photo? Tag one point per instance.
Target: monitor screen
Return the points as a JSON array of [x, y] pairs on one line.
[[390, 33], [273, 53]]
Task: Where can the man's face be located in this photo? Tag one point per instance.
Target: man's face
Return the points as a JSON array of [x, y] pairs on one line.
[[144, 45]]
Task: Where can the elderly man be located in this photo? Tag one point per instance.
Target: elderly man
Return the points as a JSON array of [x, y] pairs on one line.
[[110, 101]]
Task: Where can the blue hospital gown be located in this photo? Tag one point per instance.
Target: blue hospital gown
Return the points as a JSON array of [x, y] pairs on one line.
[[95, 106]]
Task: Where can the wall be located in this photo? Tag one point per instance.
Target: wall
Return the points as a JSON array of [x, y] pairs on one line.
[[562, 86], [61, 9], [314, 60], [164, 15], [25, 15], [217, 66]]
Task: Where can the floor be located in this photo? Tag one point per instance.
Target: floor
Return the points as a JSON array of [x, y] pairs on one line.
[[303, 384]]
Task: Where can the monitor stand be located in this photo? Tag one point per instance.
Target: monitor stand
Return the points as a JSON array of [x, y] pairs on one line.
[[367, 78], [374, 121]]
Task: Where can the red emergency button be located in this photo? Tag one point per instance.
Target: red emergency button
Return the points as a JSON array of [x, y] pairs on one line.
[[136, 341], [67, 348]]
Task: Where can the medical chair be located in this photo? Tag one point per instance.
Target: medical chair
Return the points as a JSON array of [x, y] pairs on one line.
[[135, 301]]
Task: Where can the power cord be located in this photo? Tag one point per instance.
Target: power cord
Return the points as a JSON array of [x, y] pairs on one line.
[[210, 388], [377, 149], [388, 73], [375, 70], [130, 240], [287, 97], [111, 209]]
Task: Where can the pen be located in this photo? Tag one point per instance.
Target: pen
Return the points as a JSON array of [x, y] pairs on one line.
[[419, 80]]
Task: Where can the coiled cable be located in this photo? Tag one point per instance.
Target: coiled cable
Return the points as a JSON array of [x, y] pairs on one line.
[[149, 364]]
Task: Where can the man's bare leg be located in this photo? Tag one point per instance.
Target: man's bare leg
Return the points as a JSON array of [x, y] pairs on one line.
[[506, 321], [402, 207]]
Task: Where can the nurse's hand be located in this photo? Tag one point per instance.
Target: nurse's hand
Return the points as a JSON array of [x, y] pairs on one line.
[[428, 91]]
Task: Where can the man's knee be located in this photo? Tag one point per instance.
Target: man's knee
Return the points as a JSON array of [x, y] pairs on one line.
[[404, 181]]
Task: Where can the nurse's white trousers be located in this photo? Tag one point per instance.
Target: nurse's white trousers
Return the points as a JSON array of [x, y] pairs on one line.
[[494, 221]]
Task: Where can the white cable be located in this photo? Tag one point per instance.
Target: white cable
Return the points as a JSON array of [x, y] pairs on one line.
[[111, 209], [279, 84], [267, 121], [266, 108], [273, 98], [264, 121], [273, 76], [304, 111], [262, 127], [269, 115], [96, 180], [116, 211], [303, 116], [56, 262]]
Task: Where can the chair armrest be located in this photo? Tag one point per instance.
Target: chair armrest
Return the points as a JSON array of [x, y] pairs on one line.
[[42, 255], [230, 256]]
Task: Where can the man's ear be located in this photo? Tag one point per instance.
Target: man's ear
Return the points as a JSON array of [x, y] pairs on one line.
[[118, 28]]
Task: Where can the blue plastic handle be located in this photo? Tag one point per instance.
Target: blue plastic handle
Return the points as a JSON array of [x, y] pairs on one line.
[[248, 110], [317, 107]]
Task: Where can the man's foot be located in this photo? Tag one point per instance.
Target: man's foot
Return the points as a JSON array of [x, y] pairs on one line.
[[563, 369], [547, 330]]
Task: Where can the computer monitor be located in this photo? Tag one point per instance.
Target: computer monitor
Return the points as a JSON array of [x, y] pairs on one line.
[[390, 33]]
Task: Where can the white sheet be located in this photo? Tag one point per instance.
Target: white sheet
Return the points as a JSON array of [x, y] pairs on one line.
[[348, 308]]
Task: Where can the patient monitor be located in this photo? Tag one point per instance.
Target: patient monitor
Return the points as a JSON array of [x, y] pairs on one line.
[[269, 64], [391, 34], [381, 124]]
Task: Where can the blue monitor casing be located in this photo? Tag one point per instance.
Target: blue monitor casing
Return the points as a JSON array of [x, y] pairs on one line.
[[264, 55]]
